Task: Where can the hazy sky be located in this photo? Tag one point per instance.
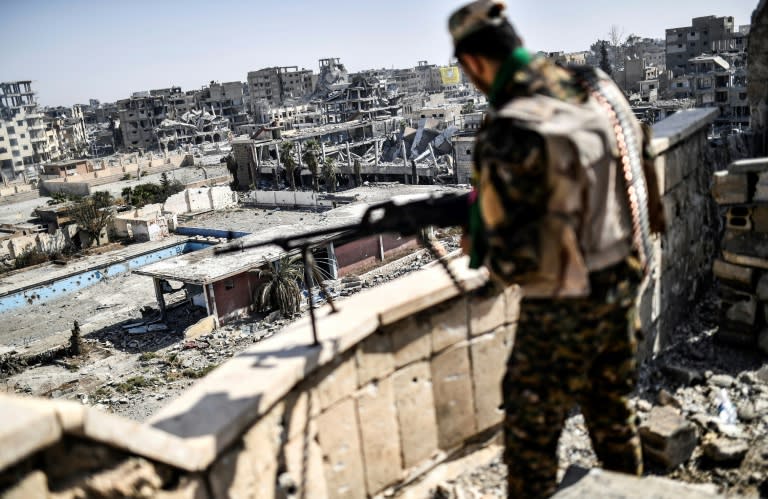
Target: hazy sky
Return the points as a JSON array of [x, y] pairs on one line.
[[74, 50]]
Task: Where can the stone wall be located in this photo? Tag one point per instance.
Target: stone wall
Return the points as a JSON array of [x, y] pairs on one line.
[[684, 255]]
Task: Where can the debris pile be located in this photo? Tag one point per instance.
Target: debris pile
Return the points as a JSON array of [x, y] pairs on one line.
[[742, 193]]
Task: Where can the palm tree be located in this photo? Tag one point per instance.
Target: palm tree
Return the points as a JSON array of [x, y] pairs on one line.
[[310, 157], [280, 287], [330, 170], [286, 156]]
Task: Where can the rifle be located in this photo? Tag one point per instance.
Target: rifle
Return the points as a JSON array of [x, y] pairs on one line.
[[404, 217]]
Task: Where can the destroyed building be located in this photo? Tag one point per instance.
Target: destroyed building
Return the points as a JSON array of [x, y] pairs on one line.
[[277, 85], [333, 76], [363, 99], [224, 99], [684, 44], [23, 141], [139, 117], [192, 128]]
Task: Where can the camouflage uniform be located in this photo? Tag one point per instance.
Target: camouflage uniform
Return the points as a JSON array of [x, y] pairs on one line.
[[567, 351], [524, 227]]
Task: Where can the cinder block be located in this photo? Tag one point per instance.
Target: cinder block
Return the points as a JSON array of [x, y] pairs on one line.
[[411, 340], [450, 324], [489, 363], [730, 188], [454, 402], [486, 313], [739, 219], [379, 430], [339, 438], [415, 413]]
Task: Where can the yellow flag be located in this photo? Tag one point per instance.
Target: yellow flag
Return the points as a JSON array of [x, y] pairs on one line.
[[450, 75]]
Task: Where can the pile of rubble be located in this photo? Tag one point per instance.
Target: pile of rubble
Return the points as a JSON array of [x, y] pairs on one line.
[[703, 411], [742, 192]]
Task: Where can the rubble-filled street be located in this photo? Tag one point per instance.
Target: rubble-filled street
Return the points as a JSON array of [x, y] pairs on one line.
[[679, 404]]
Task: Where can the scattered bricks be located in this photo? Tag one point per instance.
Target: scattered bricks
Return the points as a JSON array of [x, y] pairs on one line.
[[342, 455], [35, 484], [411, 340], [454, 403], [734, 274], [374, 358], [489, 362], [722, 381], [683, 375], [415, 412], [668, 438], [379, 429], [739, 219], [756, 461], [730, 188], [725, 451]]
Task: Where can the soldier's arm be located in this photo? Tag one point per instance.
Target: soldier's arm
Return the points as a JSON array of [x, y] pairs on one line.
[[513, 195]]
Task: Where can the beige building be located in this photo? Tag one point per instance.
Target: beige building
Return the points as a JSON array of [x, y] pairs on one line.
[[139, 116], [23, 142], [684, 44], [277, 84]]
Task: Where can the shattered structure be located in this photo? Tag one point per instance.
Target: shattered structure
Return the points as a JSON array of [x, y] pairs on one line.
[[192, 128], [333, 77], [362, 99]]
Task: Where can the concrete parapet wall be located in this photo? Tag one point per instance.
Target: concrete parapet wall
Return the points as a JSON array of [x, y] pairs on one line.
[[405, 375], [684, 255], [200, 199], [300, 199]]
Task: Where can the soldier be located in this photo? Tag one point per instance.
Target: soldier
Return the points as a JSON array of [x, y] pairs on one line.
[[565, 200]]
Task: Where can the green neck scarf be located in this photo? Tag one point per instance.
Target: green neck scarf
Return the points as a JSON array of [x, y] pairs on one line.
[[518, 59]]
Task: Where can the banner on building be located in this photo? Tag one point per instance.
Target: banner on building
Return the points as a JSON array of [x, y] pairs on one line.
[[450, 75]]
